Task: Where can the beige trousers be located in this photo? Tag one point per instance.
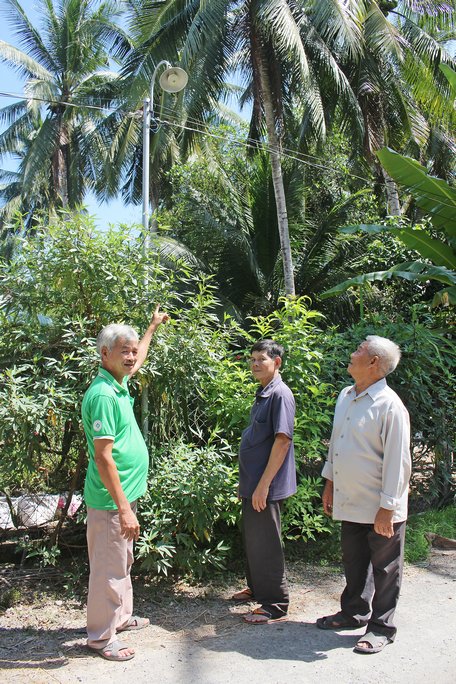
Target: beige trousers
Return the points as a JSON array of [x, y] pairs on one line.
[[110, 597]]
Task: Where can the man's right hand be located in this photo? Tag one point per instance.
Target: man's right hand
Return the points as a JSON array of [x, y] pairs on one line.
[[327, 498], [129, 525]]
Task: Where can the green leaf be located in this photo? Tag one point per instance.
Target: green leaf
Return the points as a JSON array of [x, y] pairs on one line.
[[445, 297], [411, 270], [433, 195], [450, 74], [430, 248]]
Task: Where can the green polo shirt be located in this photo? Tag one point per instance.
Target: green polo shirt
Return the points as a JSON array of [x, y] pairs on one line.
[[107, 412]]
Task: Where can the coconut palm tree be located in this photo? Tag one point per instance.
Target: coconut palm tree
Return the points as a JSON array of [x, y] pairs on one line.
[[277, 55], [65, 64], [327, 58]]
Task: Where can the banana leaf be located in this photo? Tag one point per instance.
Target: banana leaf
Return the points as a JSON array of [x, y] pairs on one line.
[[433, 195], [437, 251], [408, 270]]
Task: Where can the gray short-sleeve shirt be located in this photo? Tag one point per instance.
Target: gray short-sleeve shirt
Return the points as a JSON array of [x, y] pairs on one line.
[[272, 413]]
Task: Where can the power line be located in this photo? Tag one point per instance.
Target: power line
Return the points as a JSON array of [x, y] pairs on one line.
[[249, 143]]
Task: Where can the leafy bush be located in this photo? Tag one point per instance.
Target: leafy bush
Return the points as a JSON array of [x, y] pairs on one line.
[[229, 390], [190, 504], [303, 517], [57, 292], [442, 522]]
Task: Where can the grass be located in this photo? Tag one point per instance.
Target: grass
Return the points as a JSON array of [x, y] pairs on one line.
[[325, 550], [442, 522]]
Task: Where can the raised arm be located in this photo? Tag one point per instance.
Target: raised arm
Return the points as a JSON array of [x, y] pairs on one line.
[[158, 318]]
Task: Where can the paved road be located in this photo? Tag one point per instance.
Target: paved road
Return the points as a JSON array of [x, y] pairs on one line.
[[215, 647]]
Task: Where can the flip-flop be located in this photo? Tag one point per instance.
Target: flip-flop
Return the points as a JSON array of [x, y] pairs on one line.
[[243, 596], [338, 621], [259, 612], [135, 623], [113, 649], [377, 643]]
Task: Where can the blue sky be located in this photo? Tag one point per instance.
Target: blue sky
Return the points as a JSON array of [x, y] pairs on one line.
[[115, 211]]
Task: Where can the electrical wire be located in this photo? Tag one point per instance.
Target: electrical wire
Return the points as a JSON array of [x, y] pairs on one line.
[[250, 143]]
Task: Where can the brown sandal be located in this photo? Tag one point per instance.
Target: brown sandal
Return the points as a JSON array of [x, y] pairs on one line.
[[259, 616], [243, 596]]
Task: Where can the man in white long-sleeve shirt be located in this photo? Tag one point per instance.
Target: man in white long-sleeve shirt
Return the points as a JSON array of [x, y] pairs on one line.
[[367, 474]]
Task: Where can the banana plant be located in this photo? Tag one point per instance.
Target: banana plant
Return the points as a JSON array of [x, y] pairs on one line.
[[436, 198]]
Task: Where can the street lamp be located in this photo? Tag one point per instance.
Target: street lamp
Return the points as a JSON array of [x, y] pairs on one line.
[[172, 80]]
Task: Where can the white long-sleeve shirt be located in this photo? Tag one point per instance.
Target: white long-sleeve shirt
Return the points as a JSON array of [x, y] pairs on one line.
[[369, 454]]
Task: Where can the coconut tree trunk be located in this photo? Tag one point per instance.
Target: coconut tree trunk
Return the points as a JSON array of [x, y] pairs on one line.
[[392, 195], [277, 177], [60, 168]]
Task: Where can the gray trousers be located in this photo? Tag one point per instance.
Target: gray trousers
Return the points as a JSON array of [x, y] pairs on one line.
[[373, 572], [265, 567]]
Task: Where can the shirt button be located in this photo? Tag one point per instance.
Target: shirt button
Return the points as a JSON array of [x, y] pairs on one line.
[[341, 436], [348, 418]]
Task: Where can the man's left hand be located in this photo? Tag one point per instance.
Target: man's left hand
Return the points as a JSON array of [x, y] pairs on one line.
[[159, 317], [259, 498], [383, 523]]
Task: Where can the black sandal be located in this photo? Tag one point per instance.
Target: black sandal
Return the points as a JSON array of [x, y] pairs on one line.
[[338, 621]]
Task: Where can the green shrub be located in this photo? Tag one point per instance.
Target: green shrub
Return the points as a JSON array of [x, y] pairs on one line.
[[303, 517], [442, 522], [9, 597], [190, 504]]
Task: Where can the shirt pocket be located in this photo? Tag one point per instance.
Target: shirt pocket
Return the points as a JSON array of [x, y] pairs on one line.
[[261, 415]]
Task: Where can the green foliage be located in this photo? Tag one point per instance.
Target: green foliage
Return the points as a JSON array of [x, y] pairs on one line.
[[9, 597], [190, 503], [301, 518], [64, 62], [229, 390], [433, 195], [184, 361], [62, 286], [442, 522], [41, 551], [294, 325], [57, 292]]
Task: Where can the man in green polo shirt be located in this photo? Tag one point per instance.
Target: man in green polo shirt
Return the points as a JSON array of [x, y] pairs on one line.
[[116, 478]]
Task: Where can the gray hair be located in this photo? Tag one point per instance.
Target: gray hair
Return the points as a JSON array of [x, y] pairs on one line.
[[387, 351], [113, 332]]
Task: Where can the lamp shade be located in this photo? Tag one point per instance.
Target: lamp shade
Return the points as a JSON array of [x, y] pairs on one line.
[[173, 79]]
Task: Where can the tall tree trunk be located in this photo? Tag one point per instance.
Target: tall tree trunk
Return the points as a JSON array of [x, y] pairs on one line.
[[277, 177], [392, 195], [60, 167]]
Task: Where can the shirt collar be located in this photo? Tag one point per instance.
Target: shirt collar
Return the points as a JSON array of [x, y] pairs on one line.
[[117, 387], [373, 390], [267, 391]]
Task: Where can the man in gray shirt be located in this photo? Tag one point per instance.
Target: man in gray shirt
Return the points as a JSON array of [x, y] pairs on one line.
[[367, 474], [267, 476]]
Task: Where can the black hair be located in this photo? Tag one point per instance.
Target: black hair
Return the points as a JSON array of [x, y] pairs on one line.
[[271, 348]]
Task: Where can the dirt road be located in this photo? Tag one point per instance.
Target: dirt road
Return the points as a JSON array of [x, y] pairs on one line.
[[197, 637]]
